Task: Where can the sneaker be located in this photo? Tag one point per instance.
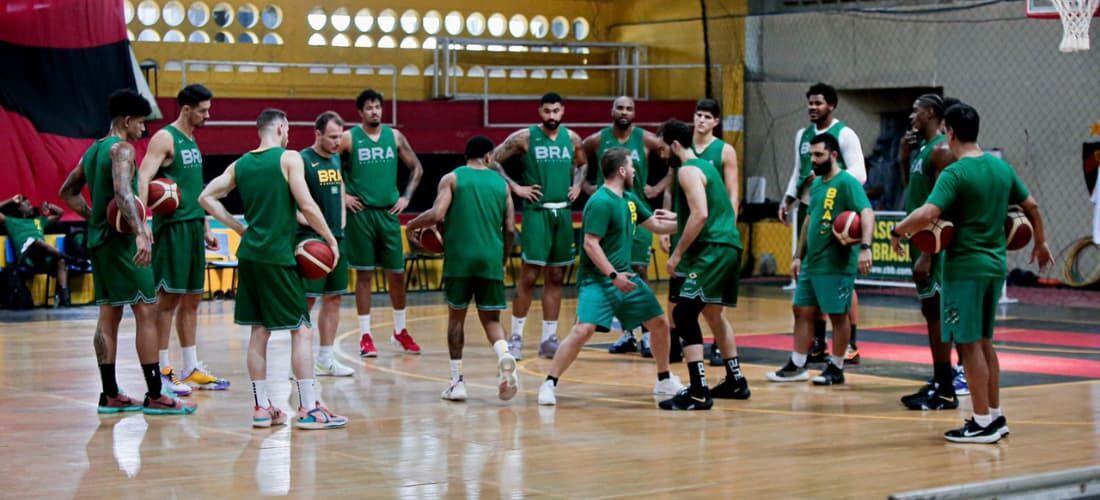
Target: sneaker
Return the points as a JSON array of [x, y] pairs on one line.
[[331, 368], [319, 418], [920, 394], [366, 346], [168, 379], [118, 404], [851, 355], [961, 389], [546, 394], [971, 432], [506, 376], [934, 400], [714, 355], [548, 347], [732, 389], [515, 346], [831, 375], [200, 378], [267, 416], [644, 347], [683, 400], [456, 391], [789, 373], [819, 352], [625, 344], [670, 386], [1003, 429], [168, 405], [405, 342]]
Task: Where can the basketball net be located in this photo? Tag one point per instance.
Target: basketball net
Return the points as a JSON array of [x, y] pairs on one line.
[[1076, 16]]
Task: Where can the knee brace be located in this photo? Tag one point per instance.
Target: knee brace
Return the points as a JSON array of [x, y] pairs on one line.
[[686, 315]]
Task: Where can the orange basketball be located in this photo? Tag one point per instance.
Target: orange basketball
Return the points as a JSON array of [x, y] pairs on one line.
[[164, 196], [1017, 230], [315, 259], [431, 239], [847, 228], [934, 238], [116, 221]]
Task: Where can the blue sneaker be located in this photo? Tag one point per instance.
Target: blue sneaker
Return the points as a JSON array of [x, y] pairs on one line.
[[961, 389], [625, 344]]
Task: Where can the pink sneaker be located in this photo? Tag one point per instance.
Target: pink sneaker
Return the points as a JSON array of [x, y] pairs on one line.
[[319, 418], [366, 346], [168, 405], [267, 416], [118, 404], [406, 342]]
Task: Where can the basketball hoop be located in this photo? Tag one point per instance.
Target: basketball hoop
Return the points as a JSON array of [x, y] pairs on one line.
[[1076, 16]]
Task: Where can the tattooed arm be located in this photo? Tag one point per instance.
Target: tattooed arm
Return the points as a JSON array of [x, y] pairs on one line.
[[515, 144], [70, 192], [416, 170], [122, 173]]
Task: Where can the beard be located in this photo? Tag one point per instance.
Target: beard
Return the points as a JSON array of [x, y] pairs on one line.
[[823, 169], [674, 162], [623, 123], [550, 124]]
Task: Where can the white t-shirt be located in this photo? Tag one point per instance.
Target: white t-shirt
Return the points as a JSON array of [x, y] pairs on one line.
[[850, 150]]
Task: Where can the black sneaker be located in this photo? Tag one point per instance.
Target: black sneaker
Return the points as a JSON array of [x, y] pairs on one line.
[[832, 375], [644, 347], [732, 389], [920, 394], [685, 401], [1003, 429], [714, 356], [625, 344], [971, 432], [819, 352], [934, 399], [675, 351], [789, 373]]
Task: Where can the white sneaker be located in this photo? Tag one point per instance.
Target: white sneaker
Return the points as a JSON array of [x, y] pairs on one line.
[[332, 368], [506, 375], [546, 394], [670, 386], [456, 391]]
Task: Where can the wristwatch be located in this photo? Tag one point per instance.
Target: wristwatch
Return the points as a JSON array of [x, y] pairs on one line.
[[613, 275], [865, 246]]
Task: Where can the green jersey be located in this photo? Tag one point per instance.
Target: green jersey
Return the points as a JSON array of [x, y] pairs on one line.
[[473, 226], [806, 166], [549, 163], [828, 199], [720, 227], [921, 173], [186, 171], [22, 229], [371, 173], [636, 145], [613, 218], [98, 173], [974, 193], [269, 208], [711, 153], [324, 178]]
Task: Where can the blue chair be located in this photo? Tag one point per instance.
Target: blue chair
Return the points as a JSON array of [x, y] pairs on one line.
[[220, 260]]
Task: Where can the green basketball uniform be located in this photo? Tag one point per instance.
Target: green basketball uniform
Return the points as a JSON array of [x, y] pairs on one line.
[[709, 268], [643, 239], [373, 234], [829, 268], [473, 263], [179, 248], [921, 175], [547, 237], [25, 231], [323, 178]]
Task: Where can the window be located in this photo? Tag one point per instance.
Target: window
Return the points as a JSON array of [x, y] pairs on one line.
[[431, 22], [247, 15], [148, 13], [174, 36], [341, 40], [538, 74], [475, 24], [580, 28], [410, 21], [364, 20], [540, 26], [148, 35], [580, 74], [272, 17], [223, 37], [387, 42], [316, 18], [410, 42], [498, 24], [497, 73], [198, 37], [453, 23], [559, 27], [198, 14], [273, 39], [222, 15], [340, 19], [316, 40], [517, 73], [410, 70], [559, 74], [173, 13], [248, 37], [429, 43], [387, 20], [517, 26], [364, 41], [476, 72], [128, 11]]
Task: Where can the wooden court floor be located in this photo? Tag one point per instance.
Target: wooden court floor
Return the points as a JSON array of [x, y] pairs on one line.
[[604, 439]]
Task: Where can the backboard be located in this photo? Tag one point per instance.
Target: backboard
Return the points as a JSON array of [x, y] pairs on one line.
[[1044, 9]]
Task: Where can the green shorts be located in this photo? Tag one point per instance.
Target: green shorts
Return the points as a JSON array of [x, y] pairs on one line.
[[642, 248], [179, 257], [36, 258], [336, 282], [116, 279], [489, 294], [598, 302], [928, 289], [832, 293], [374, 240], [968, 309], [547, 236], [271, 296], [710, 274]]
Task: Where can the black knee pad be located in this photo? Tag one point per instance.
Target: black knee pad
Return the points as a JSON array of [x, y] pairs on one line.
[[686, 315]]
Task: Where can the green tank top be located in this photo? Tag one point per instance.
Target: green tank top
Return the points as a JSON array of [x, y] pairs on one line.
[[97, 171], [721, 225], [372, 176], [712, 153], [636, 145], [473, 224], [186, 171], [806, 166], [323, 177], [549, 163], [269, 208], [22, 229], [921, 171]]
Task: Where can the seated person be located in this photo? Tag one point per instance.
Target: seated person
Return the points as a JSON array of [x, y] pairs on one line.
[[29, 241]]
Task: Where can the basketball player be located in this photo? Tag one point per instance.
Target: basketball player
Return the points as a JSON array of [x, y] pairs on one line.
[[821, 101], [607, 288], [553, 171], [475, 206], [373, 230], [974, 192], [182, 238], [321, 164], [826, 269], [120, 262], [270, 297], [29, 242], [640, 142], [704, 264]]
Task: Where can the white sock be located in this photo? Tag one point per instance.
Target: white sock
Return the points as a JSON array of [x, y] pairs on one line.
[[398, 321], [190, 358], [837, 360], [324, 354], [501, 348], [364, 323], [798, 358], [995, 412], [517, 325], [259, 393], [164, 363], [456, 370], [983, 420], [549, 329], [307, 395]]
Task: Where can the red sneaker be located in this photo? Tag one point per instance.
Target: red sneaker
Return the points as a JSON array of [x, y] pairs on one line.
[[118, 404], [406, 342], [366, 346]]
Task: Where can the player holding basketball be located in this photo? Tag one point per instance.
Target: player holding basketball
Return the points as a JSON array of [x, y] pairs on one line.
[[475, 206], [373, 230], [182, 238], [270, 297], [120, 261], [553, 172], [825, 268], [607, 288], [974, 192]]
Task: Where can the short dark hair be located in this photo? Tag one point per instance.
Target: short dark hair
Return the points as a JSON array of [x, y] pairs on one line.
[[675, 131], [933, 103], [269, 116], [830, 142], [128, 102], [824, 90], [193, 94], [368, 95], [477, 147], [551, 98], [950, 101], [963, 119], [324, 118], [613, 159], [710, 106]]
